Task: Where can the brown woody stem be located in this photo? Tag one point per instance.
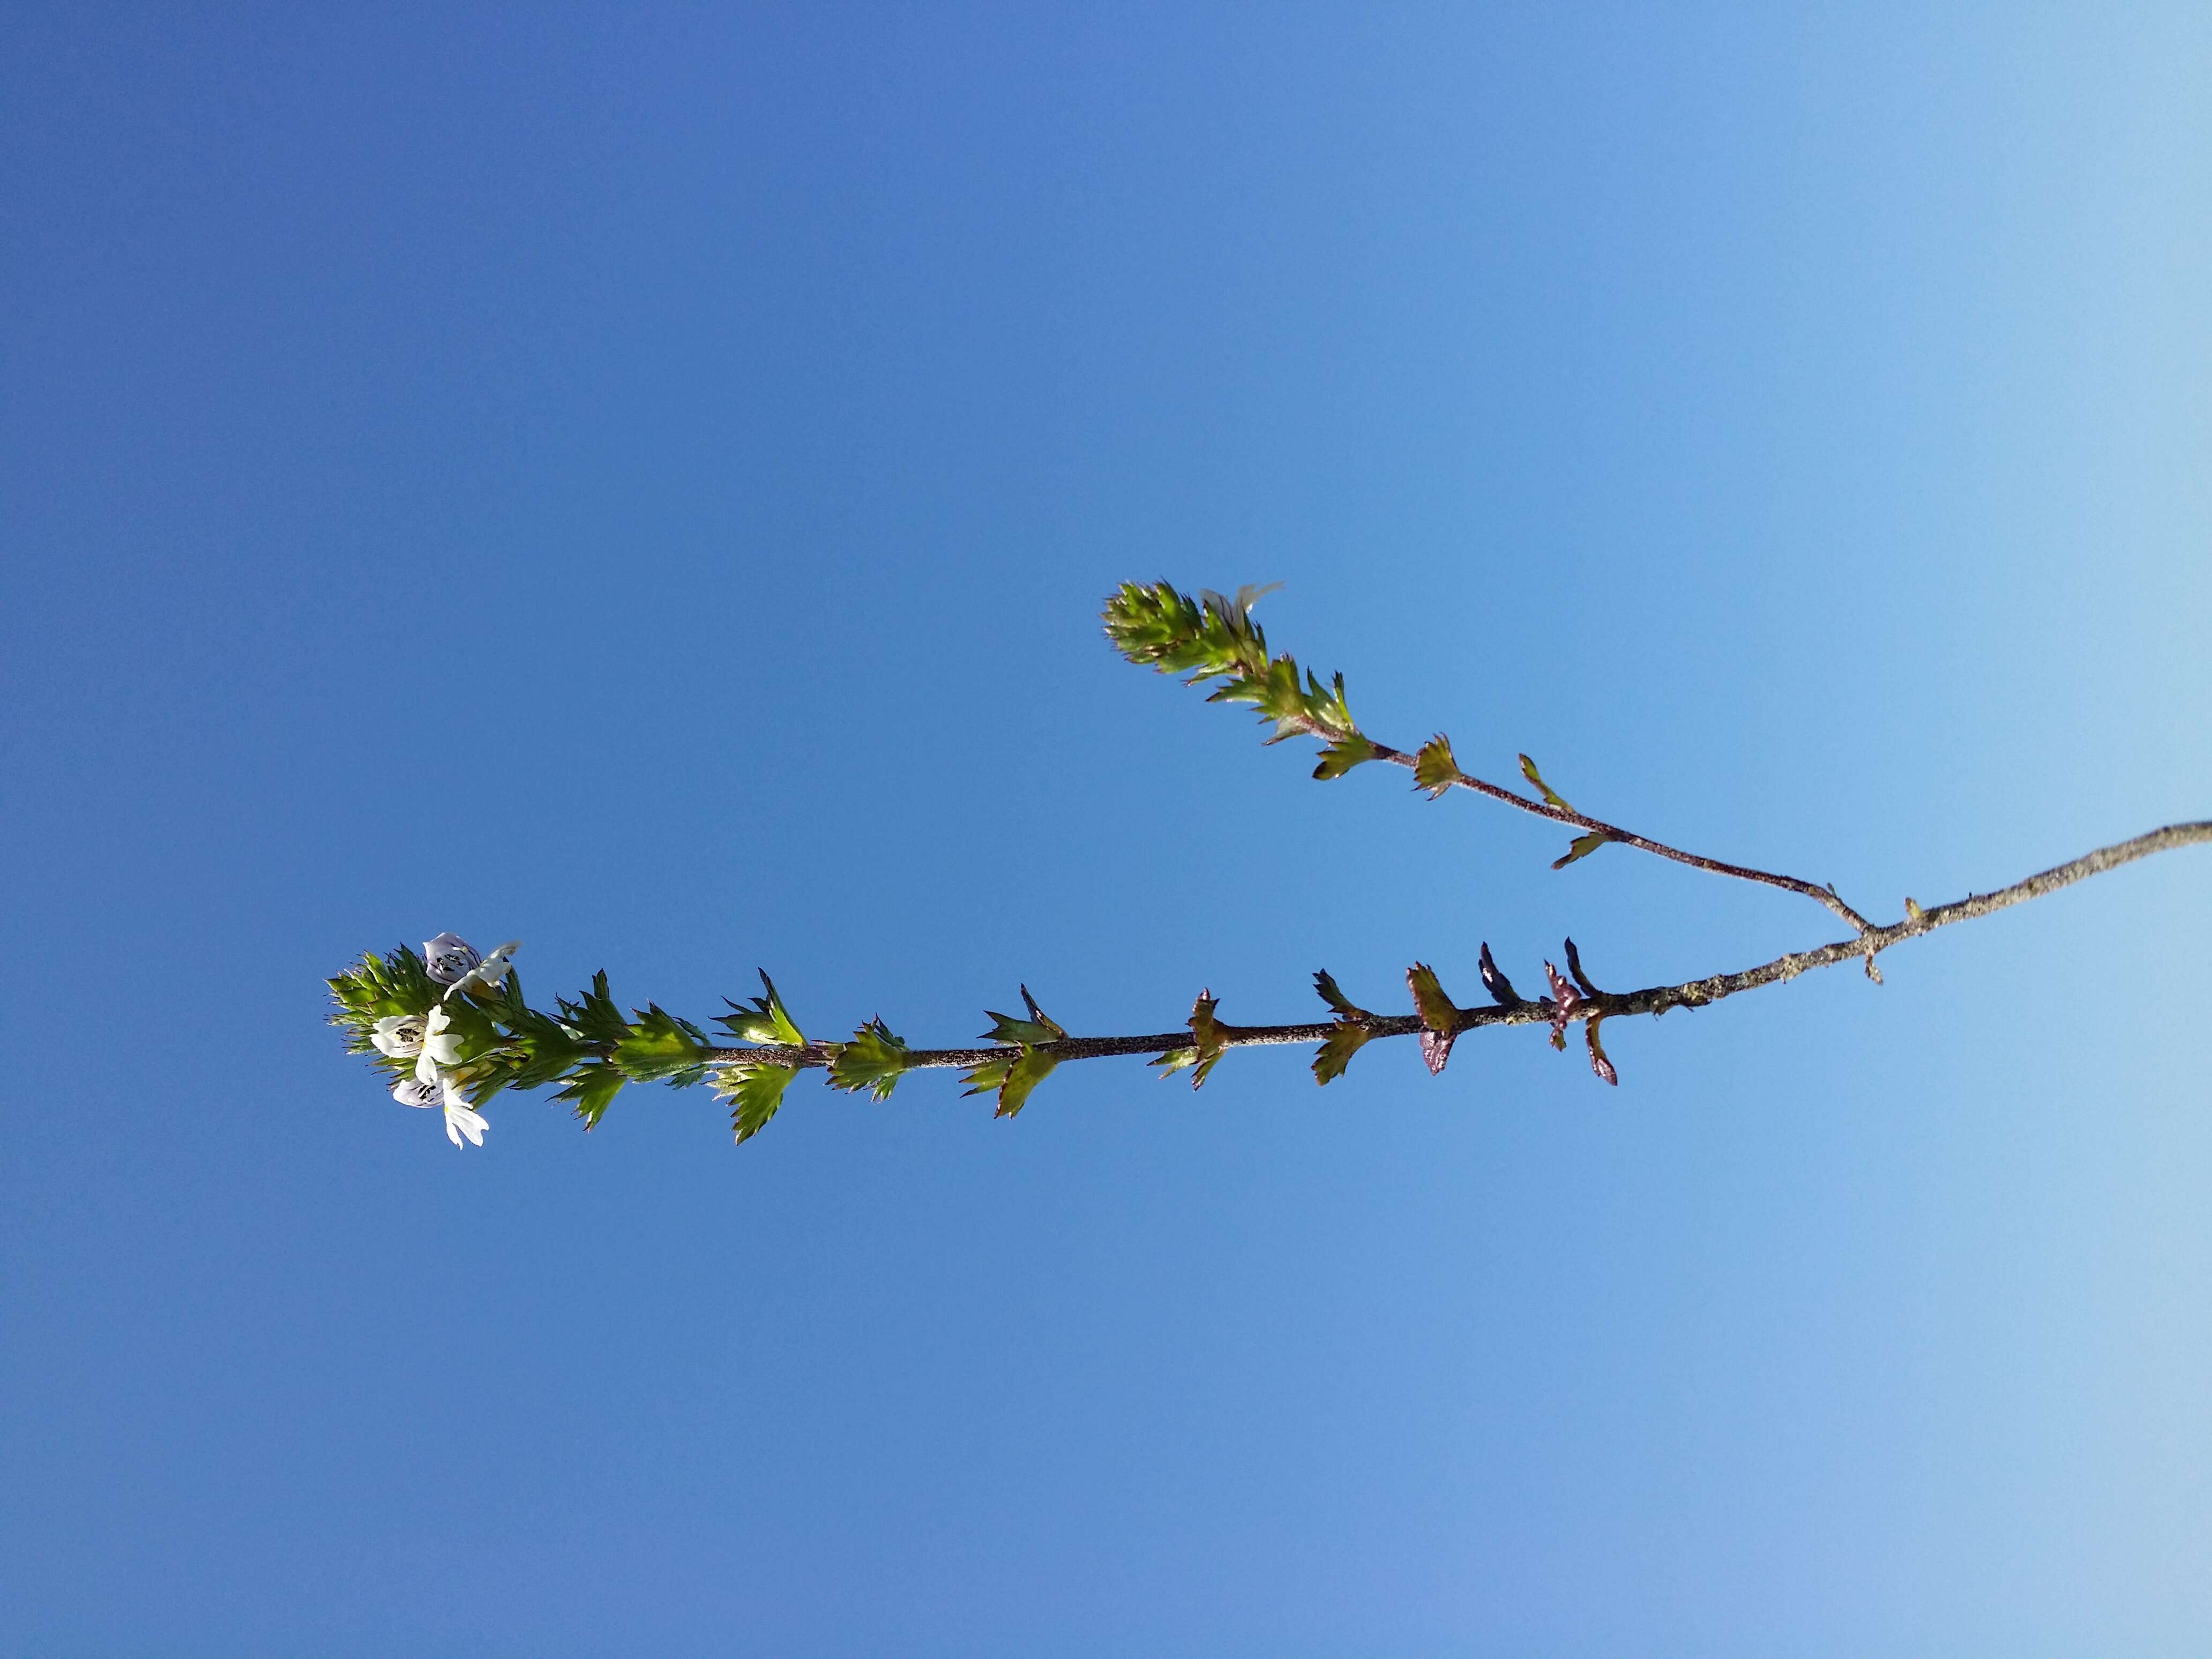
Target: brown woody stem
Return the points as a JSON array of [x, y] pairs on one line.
[[1825, 895], [1654, 1000]]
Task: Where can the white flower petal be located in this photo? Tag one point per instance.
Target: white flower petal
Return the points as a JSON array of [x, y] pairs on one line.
[[409, 1092], [398, 1036], [448, 956], [486, 974], [426, 1071], [463, 1120], [439, 1043]]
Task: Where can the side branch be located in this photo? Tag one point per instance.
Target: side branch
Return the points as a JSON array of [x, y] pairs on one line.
[[1565, 814]]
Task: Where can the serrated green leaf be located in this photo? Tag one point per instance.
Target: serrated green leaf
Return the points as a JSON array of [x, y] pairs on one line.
[[595, 1019], [1213, 1038], [1039, 1027], [756, 1092], [1325, 984], [1581, 847], [1344, 1041], [589, 1090], [1214, 637], [1528, 771], [1343, 755], [658, 1048], [872, 1060], [985, 1079], [1434, 768], [1022, 1076], [1440, 1016], [762, 1018], [1176, 1060], [376, 988], [1438, 1011]]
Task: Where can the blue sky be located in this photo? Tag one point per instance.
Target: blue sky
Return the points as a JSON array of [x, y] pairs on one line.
[[643, 482]]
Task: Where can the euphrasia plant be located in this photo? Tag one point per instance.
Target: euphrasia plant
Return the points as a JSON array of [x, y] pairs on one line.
[[451, 1029]]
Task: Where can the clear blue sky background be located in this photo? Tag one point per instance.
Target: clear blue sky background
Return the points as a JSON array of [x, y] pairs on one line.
[[642, 481]]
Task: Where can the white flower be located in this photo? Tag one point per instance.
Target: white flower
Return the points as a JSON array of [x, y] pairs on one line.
[[399, 1035], [441, 1047], [448, 956], [461, 1118], [488, 973], [410, 1091]]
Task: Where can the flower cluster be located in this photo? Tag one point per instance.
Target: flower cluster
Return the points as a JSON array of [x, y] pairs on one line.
[[429, 1039]]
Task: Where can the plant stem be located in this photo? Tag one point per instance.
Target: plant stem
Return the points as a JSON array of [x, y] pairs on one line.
[[1825, 895], [1654, 1000]]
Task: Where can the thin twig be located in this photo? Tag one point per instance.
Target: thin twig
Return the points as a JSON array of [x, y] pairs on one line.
[[1825, 895], [1654, 1000]]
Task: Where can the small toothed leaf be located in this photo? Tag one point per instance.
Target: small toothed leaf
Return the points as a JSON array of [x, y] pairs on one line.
[[1436, 1051], [1528, 771], [1438, 1011], [1176, 1060], [1500, 988], [1599, 1063], [1434, 768], [1440, 1019], [1345, 1040], [756, 1092], [1581, 847], [658, 1048], [1325, 983], [1022, 1076], [589, 1090], [763, 1019], [1343, 755], [1039, 1027], [985, 1079], [1212, 1039], [872, 1060]]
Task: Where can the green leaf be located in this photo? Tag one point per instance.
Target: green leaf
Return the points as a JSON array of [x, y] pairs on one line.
[[1343, 755], [1581, 847], [1434, 768], [658, 1048], [1022, 1076], [1325, 983], [543, 1049], [589, 1088], [1212, 1041], [757, 1090], [761, 1019], [1159, 626], [872, 1060], [985, 1079], [1528, 771], [1343, 1042], [595, 1019], [1039, 1027], [377, 988], [1440, 1016], [1213, 1036], [1214, 637]]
